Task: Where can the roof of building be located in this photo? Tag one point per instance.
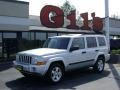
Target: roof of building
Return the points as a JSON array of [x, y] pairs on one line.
[[37, 28], [16, 1]]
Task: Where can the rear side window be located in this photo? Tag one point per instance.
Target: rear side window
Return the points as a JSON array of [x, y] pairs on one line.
[[91, 42], [101, 41]]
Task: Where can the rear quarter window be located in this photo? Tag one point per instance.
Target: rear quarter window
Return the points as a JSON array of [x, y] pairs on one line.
[[101, 41]]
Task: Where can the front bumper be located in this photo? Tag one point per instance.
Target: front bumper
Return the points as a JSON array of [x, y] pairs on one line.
[[30, 69]]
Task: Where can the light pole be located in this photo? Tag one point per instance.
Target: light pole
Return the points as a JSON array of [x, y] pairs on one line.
[[107, 31]]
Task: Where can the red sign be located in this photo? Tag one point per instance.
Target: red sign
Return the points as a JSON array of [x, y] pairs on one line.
[[58, 19]]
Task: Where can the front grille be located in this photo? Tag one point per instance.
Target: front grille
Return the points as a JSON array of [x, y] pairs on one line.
[[24, 59]]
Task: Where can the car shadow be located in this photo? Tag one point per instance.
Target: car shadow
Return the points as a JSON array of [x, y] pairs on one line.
[[71, 80]]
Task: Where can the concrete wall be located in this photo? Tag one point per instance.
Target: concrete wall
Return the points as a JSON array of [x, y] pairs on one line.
[[14, 15], [35, 20], [14, 8], [114, 23]]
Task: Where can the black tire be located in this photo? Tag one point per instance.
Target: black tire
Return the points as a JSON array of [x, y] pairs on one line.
[[26, 75], [99, 65], [55, 73]]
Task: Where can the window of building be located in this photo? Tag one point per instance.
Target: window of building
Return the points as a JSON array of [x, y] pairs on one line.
[[101, 41], [25, 43], [9, 35], [25, 35], [91, 42], [10, 44], [40, 38], [0, 44], [52, 34], [32, 35], [78, 42]]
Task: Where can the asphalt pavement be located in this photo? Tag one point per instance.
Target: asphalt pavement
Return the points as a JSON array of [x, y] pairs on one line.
[[85, 79]]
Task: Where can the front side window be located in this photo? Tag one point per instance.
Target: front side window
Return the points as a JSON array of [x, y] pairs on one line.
[[57, 43], [91, 42], [78, 43]]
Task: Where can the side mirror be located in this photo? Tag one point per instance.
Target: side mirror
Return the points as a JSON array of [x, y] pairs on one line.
[[73, 48]]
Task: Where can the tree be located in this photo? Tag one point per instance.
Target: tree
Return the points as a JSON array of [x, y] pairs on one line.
[[115, 16], [79, 21], [67, 8]]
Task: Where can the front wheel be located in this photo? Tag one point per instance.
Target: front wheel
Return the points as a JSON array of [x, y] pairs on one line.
[[55, 73], [26, 75], [99, 65]]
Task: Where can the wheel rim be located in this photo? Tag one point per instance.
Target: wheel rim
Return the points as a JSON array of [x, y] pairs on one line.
[[56, 74], [100, 65]]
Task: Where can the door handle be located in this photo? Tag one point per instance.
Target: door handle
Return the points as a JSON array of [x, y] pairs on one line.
[[96, 50], [83, 52]]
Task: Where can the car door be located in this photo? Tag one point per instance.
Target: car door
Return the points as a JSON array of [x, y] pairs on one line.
[[77, 53], [92, 49]]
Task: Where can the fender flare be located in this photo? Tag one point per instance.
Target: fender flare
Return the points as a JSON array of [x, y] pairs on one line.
[[100, 53], [51, 60]]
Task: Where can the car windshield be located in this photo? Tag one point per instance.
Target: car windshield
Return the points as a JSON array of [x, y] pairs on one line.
[[57, 43]]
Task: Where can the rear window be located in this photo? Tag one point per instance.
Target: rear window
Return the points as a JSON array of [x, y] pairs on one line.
[[91, 42], [101, 41]]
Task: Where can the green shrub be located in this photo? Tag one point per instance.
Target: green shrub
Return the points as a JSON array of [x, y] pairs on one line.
[[115, 52]]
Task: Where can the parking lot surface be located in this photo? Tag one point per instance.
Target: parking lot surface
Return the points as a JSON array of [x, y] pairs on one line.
[[11, 79]]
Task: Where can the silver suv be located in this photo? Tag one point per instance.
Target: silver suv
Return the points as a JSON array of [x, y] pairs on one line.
[[63, 53]]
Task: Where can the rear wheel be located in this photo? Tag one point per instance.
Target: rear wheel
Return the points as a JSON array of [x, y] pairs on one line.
[[55, 73], [99, 65]]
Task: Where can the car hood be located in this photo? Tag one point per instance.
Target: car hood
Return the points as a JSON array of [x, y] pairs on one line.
[[43, 51]]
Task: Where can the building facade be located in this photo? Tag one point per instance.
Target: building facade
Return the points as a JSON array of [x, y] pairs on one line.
[[14, 20], [20, 31]]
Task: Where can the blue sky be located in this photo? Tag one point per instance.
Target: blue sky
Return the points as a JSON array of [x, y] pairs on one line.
[[82, 6]]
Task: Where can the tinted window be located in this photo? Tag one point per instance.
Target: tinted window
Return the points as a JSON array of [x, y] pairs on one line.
[[78, 42], [101, 41], [57, 43], [9, 35], [91, 42]]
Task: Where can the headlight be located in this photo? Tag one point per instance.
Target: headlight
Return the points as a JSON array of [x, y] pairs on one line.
[[38, 60], [41, 63]]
